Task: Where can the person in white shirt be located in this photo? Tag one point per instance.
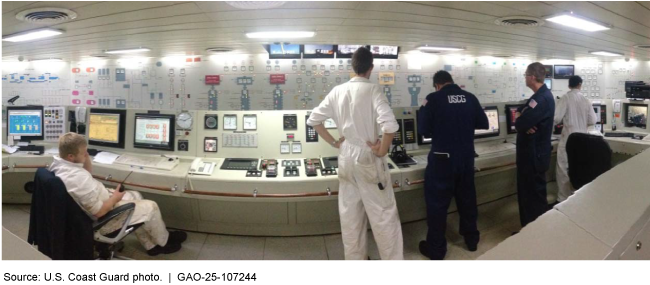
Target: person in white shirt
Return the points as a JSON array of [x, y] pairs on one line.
[[577, 114], [74, 167], [359, 109]]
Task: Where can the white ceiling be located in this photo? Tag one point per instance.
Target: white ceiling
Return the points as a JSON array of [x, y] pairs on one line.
[[173, 28]]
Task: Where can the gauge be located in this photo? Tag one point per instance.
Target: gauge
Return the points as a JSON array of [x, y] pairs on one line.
[[296, 147], [290, 122], [250, 122], [230, 122], [211, 121], [330, 124], [184, 120], [284, 148]]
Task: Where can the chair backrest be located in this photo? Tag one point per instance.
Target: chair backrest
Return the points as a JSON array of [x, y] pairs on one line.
[[589, 156], [60, 228]]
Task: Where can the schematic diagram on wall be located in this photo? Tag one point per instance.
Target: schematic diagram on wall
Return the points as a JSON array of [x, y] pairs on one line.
[[414, 90]]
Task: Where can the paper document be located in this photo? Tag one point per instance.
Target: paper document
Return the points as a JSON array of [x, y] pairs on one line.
[[9, 149], [53, 150], [106, 157]]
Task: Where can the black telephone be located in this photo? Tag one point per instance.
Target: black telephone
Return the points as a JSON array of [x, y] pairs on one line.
[[400, 157]]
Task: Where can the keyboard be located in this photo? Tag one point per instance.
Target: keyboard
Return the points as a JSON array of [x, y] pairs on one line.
[[619, 135], [30, 147]]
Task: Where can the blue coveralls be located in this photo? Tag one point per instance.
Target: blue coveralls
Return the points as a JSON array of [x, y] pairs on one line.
[[534, 154], [449, 118]]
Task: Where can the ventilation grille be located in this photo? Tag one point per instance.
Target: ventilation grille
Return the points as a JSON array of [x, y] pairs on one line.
[[46, 15], [519, 21], [219, 49]]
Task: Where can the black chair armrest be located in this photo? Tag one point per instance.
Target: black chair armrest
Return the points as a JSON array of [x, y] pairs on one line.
[[113, 214]]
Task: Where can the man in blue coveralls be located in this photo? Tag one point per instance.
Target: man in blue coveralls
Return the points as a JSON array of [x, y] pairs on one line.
[[449, 117], [534, 128]]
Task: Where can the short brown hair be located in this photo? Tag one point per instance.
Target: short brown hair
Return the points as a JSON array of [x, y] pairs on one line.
[[361, 60], [70, 143], [537, 70]]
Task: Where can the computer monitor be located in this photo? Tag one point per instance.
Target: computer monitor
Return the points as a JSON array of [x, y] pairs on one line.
[[346, 51], [549, 83], [492, 114], [25, 122], [563, 71], [549, 71], [422, 139], [319, 51], [636, 115], [154, 131], [106, 127], [389, 52], [511, 117], [280, 51]]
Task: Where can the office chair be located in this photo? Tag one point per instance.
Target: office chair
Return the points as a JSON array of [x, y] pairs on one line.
[[63, 230], [589, 156]]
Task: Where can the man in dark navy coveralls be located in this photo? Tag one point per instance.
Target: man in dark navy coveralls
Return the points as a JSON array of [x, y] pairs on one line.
[[449, 117], [534, 128]]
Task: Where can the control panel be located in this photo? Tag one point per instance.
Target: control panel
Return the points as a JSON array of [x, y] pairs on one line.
[[291, 171], [240, 164], [271, 167], [312, 165], [310, 132], [54, 119], [409, 131], [239, 140], [330, 164], [399, 135], [286, 163]]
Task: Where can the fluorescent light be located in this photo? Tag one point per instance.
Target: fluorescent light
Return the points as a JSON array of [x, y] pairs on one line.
[[578, 23], [32, 35], [128, 50], [605, 53], [280, 35], [46, 59], [432, 48]]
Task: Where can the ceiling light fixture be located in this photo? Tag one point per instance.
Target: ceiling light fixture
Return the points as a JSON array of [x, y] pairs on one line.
[[47, 59], [573, 21], [280, 35], [129, 50], [32, 35], [605, 53], [434, 48]]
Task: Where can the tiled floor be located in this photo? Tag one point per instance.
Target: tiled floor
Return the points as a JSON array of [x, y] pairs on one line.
[[497, 220]]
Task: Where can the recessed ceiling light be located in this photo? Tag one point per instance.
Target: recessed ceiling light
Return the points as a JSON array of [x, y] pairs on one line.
[[32, 35], [47, 59], [129, 50], [578, 23], [605, 53], [280, 35], [435, 48]]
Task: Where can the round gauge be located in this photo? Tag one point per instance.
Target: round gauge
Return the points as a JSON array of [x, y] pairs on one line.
[[184, 120], [211, 122], [290, 122], [230, 122], [250, 122]]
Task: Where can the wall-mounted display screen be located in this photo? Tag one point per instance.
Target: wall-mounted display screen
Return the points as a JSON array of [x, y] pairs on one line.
[[279, 51], [107, 127], [319, 51], [390, 52], [346, 51], [154, 131], [549, 83], [636, 115], [492, 114], [549, 71], [563, 71]]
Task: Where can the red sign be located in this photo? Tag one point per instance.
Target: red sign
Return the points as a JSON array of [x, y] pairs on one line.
[[212, 79], [277, 79]]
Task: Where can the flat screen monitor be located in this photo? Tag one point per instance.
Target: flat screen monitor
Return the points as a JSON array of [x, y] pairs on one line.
[[154, 131], [492, 114], [346, 51], [280, 51], [26, 122], [563, 71], [106, 127], [422, 139], [549, 71], [390, 52], [549, 83], [319, 51], [636, 115], [511, 117]]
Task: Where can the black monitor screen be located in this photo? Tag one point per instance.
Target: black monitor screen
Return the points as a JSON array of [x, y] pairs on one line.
[[390, 52], [346, 51], [154, 131], [25, 122], [492, 114], [511, 117], [636, 115], [106, 127], [319, 51], [563, 71], [279, 51]]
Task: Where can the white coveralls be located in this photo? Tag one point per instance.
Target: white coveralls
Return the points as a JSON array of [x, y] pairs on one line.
[[90, 194], [577, 114], [358, 108]]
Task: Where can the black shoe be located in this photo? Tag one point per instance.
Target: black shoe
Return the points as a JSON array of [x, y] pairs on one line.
[[424, 250], [177, 237], [167, 249], [472, 243], [514, 233]]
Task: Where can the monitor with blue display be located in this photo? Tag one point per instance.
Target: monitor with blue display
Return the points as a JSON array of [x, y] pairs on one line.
[[280, 51], [25, 122]]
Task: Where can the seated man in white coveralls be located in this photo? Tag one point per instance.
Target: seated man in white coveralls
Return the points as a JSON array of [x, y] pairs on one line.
[[358, 108], [74, 166], [577, 114]]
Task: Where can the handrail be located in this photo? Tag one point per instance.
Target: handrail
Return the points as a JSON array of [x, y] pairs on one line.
[[477, 169], [133, 184], [29, 166], [297, 195], [415, 182], [4, 167]]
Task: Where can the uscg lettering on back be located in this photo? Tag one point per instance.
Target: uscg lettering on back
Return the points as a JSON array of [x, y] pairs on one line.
[[454, 99]]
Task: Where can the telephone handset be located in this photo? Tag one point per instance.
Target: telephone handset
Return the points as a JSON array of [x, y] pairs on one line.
[[201, 167], [80, 118]]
